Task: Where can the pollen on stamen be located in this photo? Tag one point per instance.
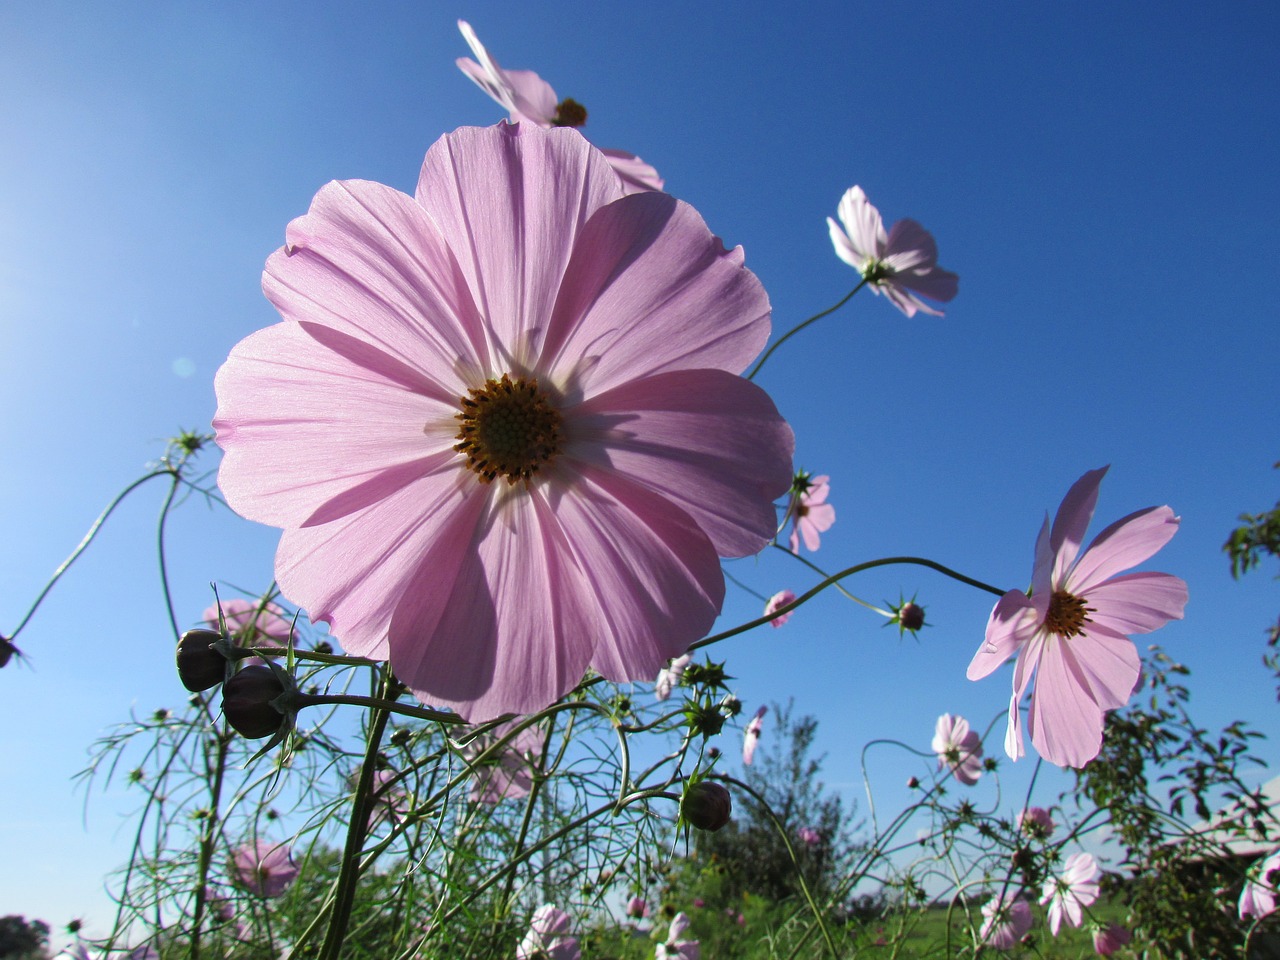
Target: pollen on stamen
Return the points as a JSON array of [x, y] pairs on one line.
[[569, 113], [509, 429], [1067, 614]]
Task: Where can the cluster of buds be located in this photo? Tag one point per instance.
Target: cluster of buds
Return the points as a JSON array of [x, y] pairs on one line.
[[258, 701]]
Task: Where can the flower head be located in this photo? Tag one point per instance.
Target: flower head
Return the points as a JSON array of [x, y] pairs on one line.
[[1258, 898], [502, 424], [669, 677], [675, 947], [899, 264], [706, 805], [1068, 894], [1107, 940], [1006, 923], [508, 773], [1036, 822], [530, 99], [637, 907], [250, 621], [958, 747], [809, 836], [1072, 630], [263, 868], [778, 600], [751, 736], [809, 511], [548, 937]]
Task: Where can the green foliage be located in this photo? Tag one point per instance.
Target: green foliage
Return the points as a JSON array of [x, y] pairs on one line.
[[21, 939]]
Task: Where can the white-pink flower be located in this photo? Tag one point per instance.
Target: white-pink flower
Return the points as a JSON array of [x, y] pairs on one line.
[[1036, 822], [898, 264], [809, 511], [263, 868], [1006, 922], [751, 736], [505, 772], [530, 99], [958, 747], [502, 423], [776, 602], [1072, 630], [675, 947], [1068, 894], [1258, 898], [548, 937], [669, 677], [1107, 940], [250, 620]]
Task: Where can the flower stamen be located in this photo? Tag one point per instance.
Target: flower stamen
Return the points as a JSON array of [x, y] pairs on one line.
[[1067, 614], [569, 113], [509, 428]]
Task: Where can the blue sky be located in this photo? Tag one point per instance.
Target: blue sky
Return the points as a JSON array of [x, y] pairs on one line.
[[1102, 180]]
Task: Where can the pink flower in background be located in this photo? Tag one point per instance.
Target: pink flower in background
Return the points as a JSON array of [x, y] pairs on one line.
[[637, 908], [263, 868], [508, 774], [958, 747], [548, 937], [1072, 630], [1006, 923], [1107, 940], [1067, 895], [530, 99], [779, 599], [669, 677], [502, 424], [809, 511], [1036, 822], [676, 947], [899, 264], [809, 836], [1258, 898], [250, 620], [751, 736]]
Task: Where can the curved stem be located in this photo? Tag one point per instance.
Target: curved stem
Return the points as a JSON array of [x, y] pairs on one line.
[[794, 330], [164, 566]]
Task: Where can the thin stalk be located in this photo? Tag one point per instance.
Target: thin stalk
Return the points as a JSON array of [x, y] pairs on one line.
[[794, 330]]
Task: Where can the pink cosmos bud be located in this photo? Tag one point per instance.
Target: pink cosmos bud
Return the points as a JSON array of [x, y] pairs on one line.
[[699, 902], [1107, 940], [200, 667], [911, 616], [637, 907], [809, 836], [246, 702], [706, 805]]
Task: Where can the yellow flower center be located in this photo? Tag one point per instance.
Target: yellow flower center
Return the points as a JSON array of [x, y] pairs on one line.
[[509, 429], [1067, 614]]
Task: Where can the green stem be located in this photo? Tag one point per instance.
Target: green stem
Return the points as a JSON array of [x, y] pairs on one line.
[[302, 700], [205, 855], [794, 330]]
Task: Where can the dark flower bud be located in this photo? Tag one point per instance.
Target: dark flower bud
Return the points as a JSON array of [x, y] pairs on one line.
[[713, 753], [911, 616], [200, 667], [246, 702], [324, 646], [7, 650], [913, 783], [706, 805]]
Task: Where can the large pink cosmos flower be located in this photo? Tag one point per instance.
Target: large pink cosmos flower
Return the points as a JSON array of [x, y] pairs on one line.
[[810, 513], [675, 947], [263, 868], [751, 736], [1072, 630], [900, 264], [1067, 895], [548, 937], [502, 424], [1258, 898], [958, 747], [1005, 922], [529, 98]]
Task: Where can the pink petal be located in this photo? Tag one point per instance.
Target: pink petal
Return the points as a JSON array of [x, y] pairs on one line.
[[514, 242], [904, 300], [534, 98], [1072, 520], [707, 440], [817, 520], [845, 250], [1126, 543], [1137, 602], [286, 402], [863, 224], [936, 284], [1013, 621], [637, 176], [367, 261], [910, 247], [490, 77], [651, 289]]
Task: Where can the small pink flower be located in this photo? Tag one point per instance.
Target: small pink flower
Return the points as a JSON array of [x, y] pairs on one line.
[[518, 286], [778, 600], [1006, 923], [699, 902], [669, 677], [751, 736], [548, 937], [530, 99], [508, 774], [1107, 940], [1036, 822], [1258, 898], [900, 264], [263, 868], [1067, 895], [675, 947], [250, 621], [958, 747], [637, 908], [809, 836], [1072, 630], [809, 511]]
